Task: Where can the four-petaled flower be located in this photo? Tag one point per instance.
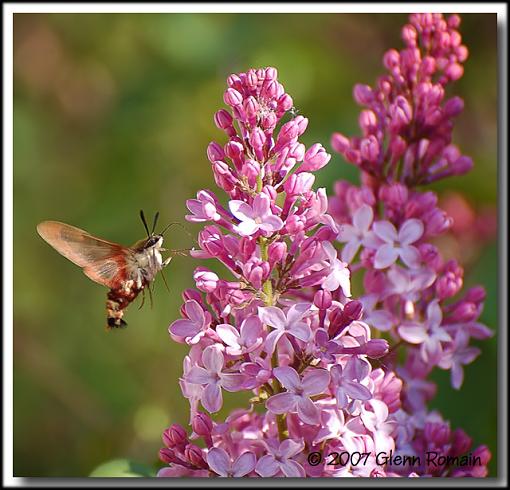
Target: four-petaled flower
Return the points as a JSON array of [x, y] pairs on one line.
[[343, 380], [220, 462], [280, 459], [213, 377], [285, 324], [339, 275], [429, 334], [356, 234], [256, 217], [193, 328], [244, 341], [399, 244], [297, 397]]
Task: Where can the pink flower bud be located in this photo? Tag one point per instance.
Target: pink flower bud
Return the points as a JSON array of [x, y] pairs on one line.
[[315, 158], [168, 456], [461, 443], [269, 121], [453, 106], [322, 299], [367, 122], [195, 456], [215, 152], [252, 79], [206, 280], [476, 294], [369, 149], [462, 165], [363, 94], [376, 348], [232, 97], [191, 294], [251, 107], [409, 35], [340, 143], [175, 435], [353, 310], [234, 149], [288, 132], [202, 424], [391, 59], [222, 119], [277, 253], [285, 103], [271, 73], [454, 71], [257, 141]]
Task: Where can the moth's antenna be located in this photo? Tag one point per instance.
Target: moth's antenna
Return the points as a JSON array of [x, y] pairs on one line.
[[144, 222], [155, 221], [179, 224]]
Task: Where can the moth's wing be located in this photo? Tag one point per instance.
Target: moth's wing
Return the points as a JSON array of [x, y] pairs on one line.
[[102, 261]]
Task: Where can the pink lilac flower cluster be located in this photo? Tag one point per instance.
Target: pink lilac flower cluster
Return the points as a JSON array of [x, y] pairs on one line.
[[283, 326]]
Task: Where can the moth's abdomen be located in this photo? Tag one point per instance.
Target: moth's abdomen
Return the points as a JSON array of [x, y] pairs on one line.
[[118, 300]]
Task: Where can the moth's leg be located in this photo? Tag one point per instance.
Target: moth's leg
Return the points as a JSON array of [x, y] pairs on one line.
[[166, 262], [143, 299]]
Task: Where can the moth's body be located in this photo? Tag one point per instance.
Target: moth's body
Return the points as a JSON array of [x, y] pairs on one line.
[[125, 270]]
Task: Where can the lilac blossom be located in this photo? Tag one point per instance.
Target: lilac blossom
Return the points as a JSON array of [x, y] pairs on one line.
[[335, 369], [297, 397]]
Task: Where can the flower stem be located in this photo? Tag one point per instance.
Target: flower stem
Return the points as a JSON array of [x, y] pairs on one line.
[[267, 287]]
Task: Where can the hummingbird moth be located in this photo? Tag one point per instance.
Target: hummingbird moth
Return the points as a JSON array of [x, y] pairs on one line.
[[125, 270]]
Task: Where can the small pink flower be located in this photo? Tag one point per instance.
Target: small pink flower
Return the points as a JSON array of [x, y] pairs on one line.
[[429, 334], [346, 386], [256, 217], [356, 234], [339, 275], [213, 377], [194, 327], [279, 459], [297, 398], [458, 355], [219, 461], [284, 324], [397, 244], [244, 341]]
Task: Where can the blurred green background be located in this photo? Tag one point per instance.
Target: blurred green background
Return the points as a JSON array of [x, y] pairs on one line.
[[113, 113]]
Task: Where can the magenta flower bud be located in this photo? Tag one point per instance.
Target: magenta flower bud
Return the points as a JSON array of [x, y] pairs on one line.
[[476, 294], [454, 106], [234, 81], [277, 253], [461, 443], [202, 424], [252, 79], [454, 23], [223, 176], [234, 149], [483, 453], [257, 141], [437, 222], [369, 149], [363, 94], [315, 158], [271, 73], [215, 152], [298, 184], [353, 310], [288, 132], [175, 435], [367, 121], [168, 456], [206, 280], [251, 169], [462, 165], [285, 103], [340, 143], [322, 299], [223, 119], [428, 66], [465, 312], [462, 53], [302, 123], [395, 195], [232, 97], [398, 147], [247, 247], [269, 121], [295, 224], [409, 35], [251, 107], [391, 59], [430, 255], [195, 456], [437, 433], [376, 348], [454, 71], [269, 89]]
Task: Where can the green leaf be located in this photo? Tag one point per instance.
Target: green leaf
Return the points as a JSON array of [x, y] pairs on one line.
[[122, 468]]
